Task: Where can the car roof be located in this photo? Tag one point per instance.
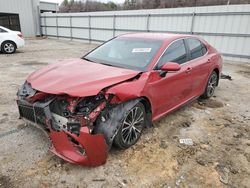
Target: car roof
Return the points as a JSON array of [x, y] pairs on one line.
[[155, 36]]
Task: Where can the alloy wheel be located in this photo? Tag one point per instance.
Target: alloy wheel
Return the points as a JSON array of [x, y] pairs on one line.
[[212, 84], [132, 125], [9, 48]]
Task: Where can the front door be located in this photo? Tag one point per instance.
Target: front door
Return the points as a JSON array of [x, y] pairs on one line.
[[175, 88]]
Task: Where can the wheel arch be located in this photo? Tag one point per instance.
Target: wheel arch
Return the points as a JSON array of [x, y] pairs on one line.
[[9, 41], [4, 42], [146, 103], [218, 74], [148, 109]]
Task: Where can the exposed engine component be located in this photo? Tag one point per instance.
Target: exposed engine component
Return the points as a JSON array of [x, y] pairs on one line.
[[60, 121], [88, 104], [59, 107]]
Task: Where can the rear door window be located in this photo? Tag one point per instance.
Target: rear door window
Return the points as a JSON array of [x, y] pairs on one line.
[[2, 30], [196, 48], [176, 53]]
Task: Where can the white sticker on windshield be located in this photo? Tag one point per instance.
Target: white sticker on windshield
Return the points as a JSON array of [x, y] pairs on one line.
[[141, 50]]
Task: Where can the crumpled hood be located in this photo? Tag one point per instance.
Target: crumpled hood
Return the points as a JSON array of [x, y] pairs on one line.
[[77, 77]]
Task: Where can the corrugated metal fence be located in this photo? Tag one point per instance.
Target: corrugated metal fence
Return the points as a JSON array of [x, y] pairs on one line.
[[225, 27]]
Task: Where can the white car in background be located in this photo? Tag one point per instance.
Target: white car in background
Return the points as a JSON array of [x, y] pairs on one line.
[[10, 40]]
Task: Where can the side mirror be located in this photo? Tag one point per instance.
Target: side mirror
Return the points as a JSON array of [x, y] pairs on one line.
[[170, 66]]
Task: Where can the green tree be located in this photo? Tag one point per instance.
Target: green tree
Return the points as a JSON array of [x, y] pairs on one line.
[[65, 3], [129, 4], [111, 5], [71, 2]]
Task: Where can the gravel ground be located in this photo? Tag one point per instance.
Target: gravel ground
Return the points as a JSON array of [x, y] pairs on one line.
[[219, 128]]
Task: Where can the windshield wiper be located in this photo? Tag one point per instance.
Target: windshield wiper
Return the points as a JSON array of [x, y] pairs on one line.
[[107, 64], [87, 59]]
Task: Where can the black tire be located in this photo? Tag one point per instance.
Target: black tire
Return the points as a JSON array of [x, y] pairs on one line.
[[211, 85], [130, 132], [8, 47]]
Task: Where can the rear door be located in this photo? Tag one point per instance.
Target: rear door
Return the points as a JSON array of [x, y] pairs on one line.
[[199, 62]]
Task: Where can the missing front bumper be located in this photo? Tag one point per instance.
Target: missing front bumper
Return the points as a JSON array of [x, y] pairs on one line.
[[94, 146], [84, 149]]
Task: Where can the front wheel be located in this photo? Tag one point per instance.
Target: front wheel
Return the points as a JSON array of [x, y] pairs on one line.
[[131, 128], [8, 47], [211, 85]]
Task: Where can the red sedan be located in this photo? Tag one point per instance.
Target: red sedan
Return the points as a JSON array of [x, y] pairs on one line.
[[111, 94]]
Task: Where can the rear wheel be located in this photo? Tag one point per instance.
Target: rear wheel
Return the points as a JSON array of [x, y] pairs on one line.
[[131, 128], [8, 47], [211, 85]]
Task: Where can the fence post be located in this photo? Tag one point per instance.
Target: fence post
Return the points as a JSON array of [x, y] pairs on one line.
[[192, 23], [45, 25], [89, 28], [40, 21], [57, 26], [70, 22], [147, 24], [114, 19]]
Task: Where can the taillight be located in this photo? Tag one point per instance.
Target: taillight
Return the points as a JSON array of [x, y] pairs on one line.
[[20, 35]]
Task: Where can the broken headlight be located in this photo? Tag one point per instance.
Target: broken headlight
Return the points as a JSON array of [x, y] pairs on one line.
[[26, 90]]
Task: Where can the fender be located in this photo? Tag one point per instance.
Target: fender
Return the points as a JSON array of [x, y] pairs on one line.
[[133, 89]]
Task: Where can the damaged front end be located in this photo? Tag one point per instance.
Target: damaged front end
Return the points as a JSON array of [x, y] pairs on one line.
[[71, 123]]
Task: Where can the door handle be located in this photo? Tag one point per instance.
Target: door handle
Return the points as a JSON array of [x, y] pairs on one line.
[[189, 69]]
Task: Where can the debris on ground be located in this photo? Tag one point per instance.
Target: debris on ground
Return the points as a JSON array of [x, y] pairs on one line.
[[185, 153], [180, 180], [210, 103], [186, 141], [224, 76], [163, 144], [101, 179], [224, 176], [204, 160], [122, 183]]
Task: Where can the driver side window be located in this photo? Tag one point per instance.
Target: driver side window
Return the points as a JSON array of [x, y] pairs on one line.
[[176, 53]]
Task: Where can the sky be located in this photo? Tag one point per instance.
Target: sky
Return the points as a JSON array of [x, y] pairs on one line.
[[59, 1]]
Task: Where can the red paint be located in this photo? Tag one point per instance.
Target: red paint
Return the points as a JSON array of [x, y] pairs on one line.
[[80, 78], [94, 145], [77, 78], [36, 97], [72, 104], [94, 114], [171, 67]]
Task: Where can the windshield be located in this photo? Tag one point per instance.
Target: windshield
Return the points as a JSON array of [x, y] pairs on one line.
[[129, 53]]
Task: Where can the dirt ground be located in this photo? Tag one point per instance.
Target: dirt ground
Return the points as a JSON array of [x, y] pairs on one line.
[[219, 128]]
